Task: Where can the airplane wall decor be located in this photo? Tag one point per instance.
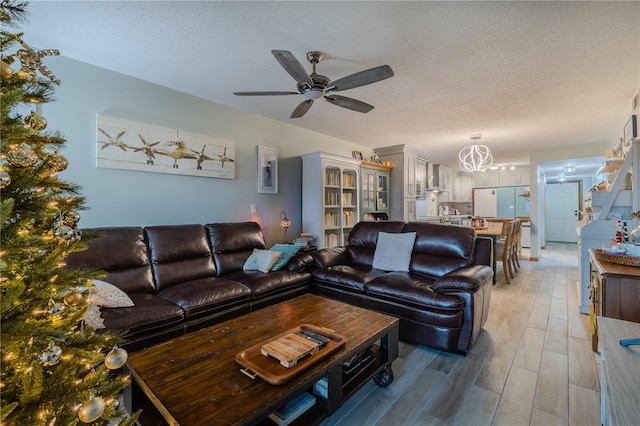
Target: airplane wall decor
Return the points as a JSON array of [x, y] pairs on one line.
[[130, 145]]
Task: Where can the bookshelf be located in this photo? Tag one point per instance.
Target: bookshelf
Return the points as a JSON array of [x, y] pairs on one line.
[[329, 197]]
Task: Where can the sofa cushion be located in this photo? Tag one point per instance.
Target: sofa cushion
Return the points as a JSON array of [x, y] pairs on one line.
[[350, 277], [364, 237], [287, 250], [261, 260], [411, 289], [179, 253], [440, 249], [206, 295], [122, 253], [232, 243], [150, 312], [393, 251], [265, 284]]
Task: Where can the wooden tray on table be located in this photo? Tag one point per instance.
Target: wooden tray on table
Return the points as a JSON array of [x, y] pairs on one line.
[[286, 355]]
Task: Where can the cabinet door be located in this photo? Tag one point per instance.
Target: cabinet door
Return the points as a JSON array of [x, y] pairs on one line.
[[409, 175], [479, 180], [492, 179], [382, 199], [409, 210], [509, 178], [421, 177], [462, 187]]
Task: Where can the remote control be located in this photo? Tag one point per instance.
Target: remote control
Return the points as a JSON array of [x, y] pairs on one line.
[[320, 340]]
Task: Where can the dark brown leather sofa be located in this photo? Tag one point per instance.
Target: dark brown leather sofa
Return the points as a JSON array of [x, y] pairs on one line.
[[185, 277], [442, 302]]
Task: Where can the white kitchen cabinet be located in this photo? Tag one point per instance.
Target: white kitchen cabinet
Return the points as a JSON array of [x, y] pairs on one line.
[[486, 179], [329, 197], [409, 210], [445, 178], [420, 176], [407, 179], [462, 185], [514, 178]]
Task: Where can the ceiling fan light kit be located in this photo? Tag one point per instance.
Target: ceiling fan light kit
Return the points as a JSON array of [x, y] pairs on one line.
[[315, 86], [475, 158]]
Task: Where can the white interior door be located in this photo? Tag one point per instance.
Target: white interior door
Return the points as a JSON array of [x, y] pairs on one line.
[[561, 211]]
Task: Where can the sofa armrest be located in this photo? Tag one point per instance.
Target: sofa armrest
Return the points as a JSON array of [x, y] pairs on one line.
[[300, 262], [469, 279], [331, 256]]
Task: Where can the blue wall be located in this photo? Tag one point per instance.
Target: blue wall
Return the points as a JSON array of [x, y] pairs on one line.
[[125, 198]]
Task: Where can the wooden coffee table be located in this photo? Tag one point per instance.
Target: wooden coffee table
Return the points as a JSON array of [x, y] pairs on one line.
[[194, 379]]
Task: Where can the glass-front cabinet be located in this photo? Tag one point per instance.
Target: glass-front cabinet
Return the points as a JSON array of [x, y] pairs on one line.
[[374, 191], [330, 186]]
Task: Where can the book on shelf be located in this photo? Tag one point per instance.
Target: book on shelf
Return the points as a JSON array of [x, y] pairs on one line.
[[321, 388], [293, 409]]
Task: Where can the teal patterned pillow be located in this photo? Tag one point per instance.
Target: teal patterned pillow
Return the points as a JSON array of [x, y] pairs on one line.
[[287, 250]]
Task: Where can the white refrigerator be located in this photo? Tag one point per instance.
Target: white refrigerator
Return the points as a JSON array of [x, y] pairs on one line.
[[485, 202]]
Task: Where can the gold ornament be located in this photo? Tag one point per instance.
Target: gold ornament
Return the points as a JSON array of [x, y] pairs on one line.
[[57, 162], [116, 358], [73, 299], [5, 179], [91, 410], [5, 70], [21, 155], [51, 355], [35, 122], [71, 218]]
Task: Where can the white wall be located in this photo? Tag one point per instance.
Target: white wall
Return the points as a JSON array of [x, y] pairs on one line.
[[129, 198]]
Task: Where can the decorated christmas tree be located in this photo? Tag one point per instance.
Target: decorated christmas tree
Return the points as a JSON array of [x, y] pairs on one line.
[[55, 370]]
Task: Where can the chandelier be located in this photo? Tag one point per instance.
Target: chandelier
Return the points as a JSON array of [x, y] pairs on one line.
[[475, 158]]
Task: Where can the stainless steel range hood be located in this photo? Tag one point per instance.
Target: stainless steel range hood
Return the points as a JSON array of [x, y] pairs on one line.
[[433, 184]]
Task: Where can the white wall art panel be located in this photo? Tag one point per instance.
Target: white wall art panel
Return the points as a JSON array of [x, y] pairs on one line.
[[124, 144]]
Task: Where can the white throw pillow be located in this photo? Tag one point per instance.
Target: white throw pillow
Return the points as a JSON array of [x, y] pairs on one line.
[[108, 295], [393, 251], [261, 260]]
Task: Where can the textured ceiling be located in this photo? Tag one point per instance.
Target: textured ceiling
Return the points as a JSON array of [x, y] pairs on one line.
[[527, 75]]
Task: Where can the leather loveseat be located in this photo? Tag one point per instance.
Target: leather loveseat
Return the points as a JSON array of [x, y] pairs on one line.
[[442, 300], [185, 277]]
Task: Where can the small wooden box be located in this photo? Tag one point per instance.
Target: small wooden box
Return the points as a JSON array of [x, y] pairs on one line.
[[289, 349]]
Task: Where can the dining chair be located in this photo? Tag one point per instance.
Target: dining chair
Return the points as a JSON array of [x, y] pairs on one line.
[[504, 250]]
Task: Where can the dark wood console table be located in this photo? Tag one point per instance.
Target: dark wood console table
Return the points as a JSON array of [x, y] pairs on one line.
[[615, 292]]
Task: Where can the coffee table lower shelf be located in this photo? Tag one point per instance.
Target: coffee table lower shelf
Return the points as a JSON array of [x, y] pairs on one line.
[[379, 370]]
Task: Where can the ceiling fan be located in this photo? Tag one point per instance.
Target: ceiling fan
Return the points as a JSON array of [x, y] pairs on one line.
[[315, 86]]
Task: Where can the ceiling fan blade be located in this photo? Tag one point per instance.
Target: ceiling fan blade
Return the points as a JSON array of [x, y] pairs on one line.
[[361, 78], [349, 103], [292, 66], [264, 93], [302, 108]]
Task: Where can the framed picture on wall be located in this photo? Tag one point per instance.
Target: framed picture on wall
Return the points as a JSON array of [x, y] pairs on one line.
[[267, 170]]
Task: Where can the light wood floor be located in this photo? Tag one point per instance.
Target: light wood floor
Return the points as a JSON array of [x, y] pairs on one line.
[[532, 364]]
